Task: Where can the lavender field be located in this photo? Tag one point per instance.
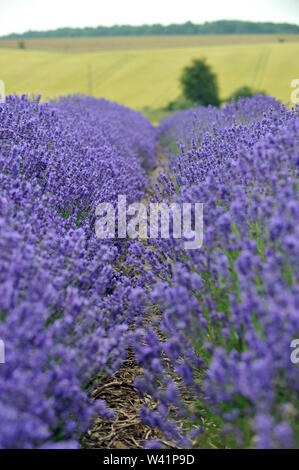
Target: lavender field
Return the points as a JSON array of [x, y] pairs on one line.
[[212, 330]]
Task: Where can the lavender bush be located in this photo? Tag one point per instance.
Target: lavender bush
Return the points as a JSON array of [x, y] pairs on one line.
[[229, 311], [64, 307], [216, 357]]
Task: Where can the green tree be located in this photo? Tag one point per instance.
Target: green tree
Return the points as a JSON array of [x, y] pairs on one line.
[[21, 44], [244, 92], [199, 83]]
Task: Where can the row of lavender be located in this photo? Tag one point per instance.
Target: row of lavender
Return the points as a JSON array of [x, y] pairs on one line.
[[64, 307], [231, 309]]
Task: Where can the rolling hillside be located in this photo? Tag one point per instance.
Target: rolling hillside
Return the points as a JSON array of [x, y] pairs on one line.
[[148, 77]]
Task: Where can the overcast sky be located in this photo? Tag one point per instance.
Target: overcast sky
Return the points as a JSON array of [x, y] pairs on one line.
[[21, 15]]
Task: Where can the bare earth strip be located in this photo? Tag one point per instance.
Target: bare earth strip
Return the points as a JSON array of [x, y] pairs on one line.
[[126, 431], [144, 42], [118, 391]]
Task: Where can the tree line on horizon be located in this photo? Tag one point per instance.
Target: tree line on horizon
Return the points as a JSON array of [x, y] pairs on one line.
[[215, 27]]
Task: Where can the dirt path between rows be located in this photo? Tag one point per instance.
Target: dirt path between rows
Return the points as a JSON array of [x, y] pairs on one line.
[[126, 431]]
